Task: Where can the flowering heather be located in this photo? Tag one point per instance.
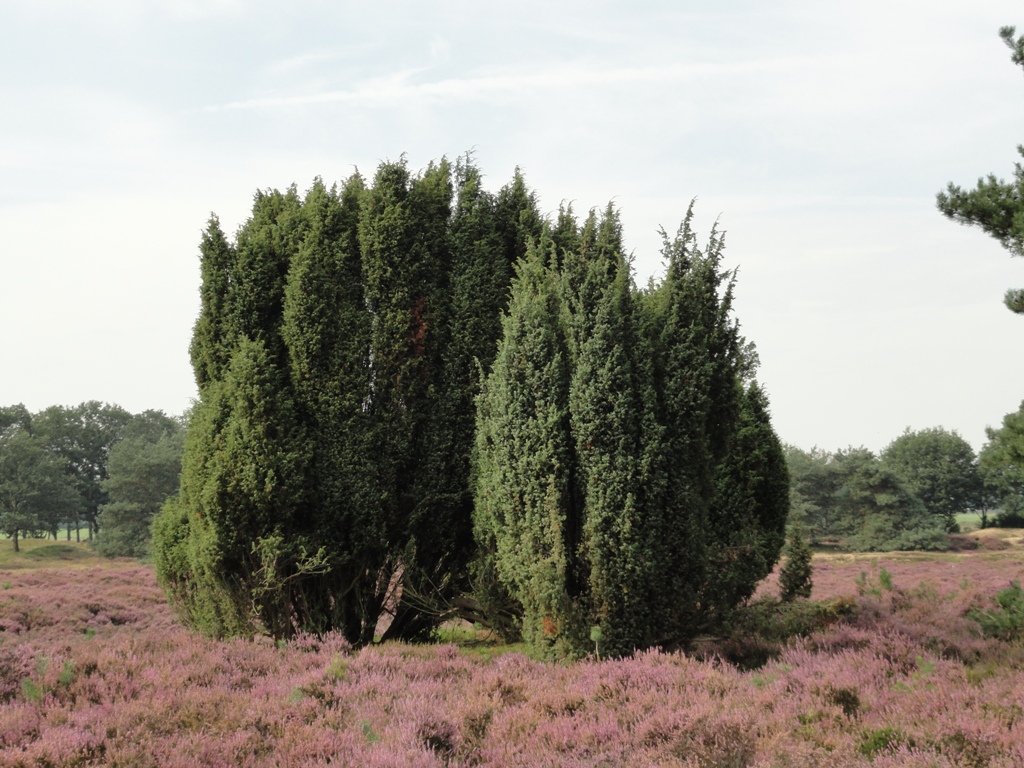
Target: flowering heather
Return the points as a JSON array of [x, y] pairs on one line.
[[94, 670]]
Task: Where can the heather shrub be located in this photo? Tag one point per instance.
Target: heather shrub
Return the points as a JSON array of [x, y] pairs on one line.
[[15, 665], [857, 681], [716, 744], [969, 750]]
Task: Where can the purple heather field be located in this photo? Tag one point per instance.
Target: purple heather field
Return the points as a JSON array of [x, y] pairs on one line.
[[96, 670]]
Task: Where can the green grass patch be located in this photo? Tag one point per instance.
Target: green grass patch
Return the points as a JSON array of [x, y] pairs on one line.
[[58, 552], [968, 521], [457, 633], [42, 553], [477, 643], [884, 739], [492, 651]]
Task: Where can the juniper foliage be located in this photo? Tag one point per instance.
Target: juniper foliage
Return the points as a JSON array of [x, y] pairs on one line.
[[325, 481], [627, 474], [796, 575]]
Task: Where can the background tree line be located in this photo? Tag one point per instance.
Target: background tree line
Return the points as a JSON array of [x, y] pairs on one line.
[[92, 464], [910, 494]]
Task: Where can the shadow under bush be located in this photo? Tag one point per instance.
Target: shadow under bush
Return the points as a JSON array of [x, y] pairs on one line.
[[755, 633]]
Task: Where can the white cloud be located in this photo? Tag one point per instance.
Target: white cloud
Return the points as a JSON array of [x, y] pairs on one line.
[[399, 88]]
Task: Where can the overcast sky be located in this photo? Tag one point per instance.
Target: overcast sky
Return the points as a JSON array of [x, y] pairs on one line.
[[817, 133]]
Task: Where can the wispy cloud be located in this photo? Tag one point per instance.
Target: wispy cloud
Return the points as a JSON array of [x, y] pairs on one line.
[[302, 61], [401, 87]]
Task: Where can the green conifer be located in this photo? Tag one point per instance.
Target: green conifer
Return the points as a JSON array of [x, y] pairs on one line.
[[211, 346], [796, 575], [666, 491], [523, 494], [607, 405], [750, 505], [327, 333]]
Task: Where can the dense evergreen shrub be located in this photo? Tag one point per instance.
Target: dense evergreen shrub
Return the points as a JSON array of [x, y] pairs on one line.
[[325, 481], [796, 574], [628, 477]]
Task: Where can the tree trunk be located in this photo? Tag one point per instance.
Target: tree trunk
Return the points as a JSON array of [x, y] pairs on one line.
[[16, 540]]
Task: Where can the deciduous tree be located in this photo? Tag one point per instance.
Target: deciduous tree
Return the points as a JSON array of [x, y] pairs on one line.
[[878, 511], [1002, 466], [940, 468], [82, 437], [35, 492], [143, 471]]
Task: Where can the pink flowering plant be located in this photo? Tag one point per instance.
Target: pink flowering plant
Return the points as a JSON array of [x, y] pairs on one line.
[[893, 670]]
